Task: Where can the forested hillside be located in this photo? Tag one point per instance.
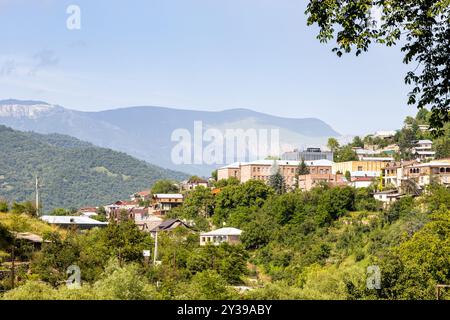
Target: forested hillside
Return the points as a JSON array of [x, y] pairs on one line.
[[73, 173]]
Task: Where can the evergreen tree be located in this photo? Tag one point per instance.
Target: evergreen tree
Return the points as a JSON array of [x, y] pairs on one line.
[[302, 168], [276, 180]]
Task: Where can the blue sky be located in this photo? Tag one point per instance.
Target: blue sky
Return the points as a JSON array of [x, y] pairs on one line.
[[196, 54]]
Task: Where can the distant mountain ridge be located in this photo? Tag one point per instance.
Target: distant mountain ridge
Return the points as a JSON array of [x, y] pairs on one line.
[[73, 173], [145, 132]]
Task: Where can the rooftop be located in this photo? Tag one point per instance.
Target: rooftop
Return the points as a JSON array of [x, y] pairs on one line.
[[223, 232], [168, 195], [321, 163], [72, 220], [377, 159], [424, 142], [29, 236], [434, 164], [234, 165]]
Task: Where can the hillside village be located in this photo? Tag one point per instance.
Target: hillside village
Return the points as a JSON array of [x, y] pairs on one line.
[[260, 229], [385, 162]]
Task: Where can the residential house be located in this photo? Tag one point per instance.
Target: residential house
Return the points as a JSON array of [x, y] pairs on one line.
[[163, 203], [425, 173], [193, 183], [400, 174], [120, 205], [392, 173], [78, 222], [168, 225], [391, 149], [384, 134], [387, 197], [366, 153], [216, 237], [148, 223], [140, 196], [361, 182], [31, 238], [423, 150], [422, 127], [88, 211], [133, 214]]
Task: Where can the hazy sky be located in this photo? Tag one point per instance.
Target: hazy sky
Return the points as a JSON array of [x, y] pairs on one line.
[[196, 54]]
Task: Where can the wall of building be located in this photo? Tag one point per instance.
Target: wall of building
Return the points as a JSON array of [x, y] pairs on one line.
[[352, 166], [309, 181], [226, 173]]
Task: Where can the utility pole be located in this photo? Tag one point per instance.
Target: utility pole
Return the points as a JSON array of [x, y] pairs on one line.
[[37, 196], [13, 258], [155, 253]]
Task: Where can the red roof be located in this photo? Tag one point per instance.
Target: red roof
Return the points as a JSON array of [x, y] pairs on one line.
[[125, 203], [143, 193]]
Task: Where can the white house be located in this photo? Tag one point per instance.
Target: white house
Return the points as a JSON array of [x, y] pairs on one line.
[[216, 237], [387, 197], [424, 150]]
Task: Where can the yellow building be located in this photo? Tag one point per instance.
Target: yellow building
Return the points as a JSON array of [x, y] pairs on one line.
[[373, 165]]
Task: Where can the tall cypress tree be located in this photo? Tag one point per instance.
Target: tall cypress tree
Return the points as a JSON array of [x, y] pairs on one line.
[[276, 180]]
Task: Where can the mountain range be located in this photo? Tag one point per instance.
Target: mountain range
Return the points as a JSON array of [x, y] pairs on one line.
[[72, 173], [145, 132]]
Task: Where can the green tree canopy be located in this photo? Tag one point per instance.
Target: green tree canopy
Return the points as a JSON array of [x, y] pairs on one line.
[[422, 27], [164, 186]]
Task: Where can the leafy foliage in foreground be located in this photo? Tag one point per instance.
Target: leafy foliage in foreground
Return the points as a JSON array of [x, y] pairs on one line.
[[423, 28]]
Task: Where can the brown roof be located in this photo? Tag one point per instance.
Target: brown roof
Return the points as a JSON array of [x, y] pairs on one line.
[[168, 224], [125, 203]]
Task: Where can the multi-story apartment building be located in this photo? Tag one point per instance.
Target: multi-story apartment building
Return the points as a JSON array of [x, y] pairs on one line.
[[392, 173], [228, 171], [310, 154], [370, 164], [163, 203], [263, 169], [425, 173], [424, 150], [396, 173]]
